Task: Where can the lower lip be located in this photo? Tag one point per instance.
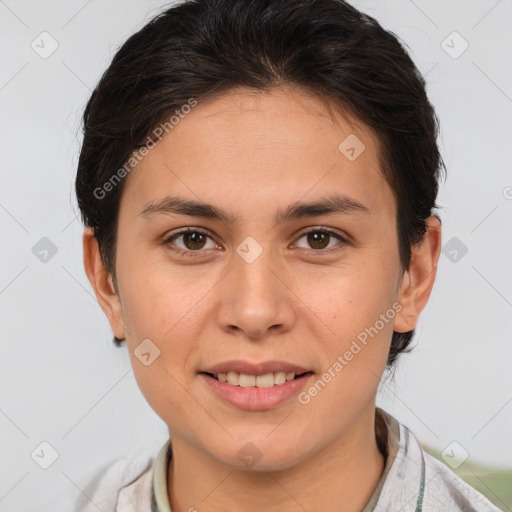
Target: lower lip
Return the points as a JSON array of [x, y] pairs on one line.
[[257, 399]]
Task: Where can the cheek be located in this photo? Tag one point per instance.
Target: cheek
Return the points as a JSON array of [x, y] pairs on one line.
[[351, 297], [157, 296], [354, 314], [168, 306]]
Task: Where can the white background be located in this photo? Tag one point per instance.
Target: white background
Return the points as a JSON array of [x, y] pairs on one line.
[[62, 380]]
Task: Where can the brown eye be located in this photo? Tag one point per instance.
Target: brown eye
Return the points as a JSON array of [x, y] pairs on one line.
[[194, 240], [318, 239], [321, 239], [190, 242]]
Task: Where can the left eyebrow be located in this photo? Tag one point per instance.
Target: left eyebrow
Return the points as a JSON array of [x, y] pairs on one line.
[[328, 205]]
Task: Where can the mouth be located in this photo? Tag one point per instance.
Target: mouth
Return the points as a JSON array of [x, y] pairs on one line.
[[256, 386], [266, 380]]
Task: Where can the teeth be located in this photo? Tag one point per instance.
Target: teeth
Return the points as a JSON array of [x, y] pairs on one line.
[[246, 381], [260, 381], [265, 381], [280, 377], [233, 378]]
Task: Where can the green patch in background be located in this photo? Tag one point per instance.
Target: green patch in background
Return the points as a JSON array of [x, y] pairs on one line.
[[494, 484]]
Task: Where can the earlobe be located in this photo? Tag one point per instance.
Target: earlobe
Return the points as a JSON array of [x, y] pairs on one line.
[[102, 283], [418, 280]]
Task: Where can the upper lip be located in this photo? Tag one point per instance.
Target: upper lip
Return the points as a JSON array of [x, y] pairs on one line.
[[250, 368]]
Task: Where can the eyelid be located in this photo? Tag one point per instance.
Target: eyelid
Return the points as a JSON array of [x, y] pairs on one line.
[[327, 229]]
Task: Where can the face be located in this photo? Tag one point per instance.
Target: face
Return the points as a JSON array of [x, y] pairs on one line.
[[293, 268]]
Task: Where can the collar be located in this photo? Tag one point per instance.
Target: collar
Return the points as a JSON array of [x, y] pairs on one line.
[[402, 483], [159, 498]]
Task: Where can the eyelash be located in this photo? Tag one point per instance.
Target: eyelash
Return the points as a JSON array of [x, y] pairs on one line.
[[183, 252]]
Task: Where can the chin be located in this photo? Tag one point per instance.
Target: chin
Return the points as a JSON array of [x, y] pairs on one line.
[[259, 456]]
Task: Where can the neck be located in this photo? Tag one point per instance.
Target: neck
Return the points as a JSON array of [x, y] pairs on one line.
[[341, 476]]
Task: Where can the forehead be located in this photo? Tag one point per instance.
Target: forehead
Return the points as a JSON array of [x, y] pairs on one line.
[[283, 144]]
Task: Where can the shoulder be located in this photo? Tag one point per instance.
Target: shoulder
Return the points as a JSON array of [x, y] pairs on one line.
[[418, 482], [445, 490], [127, 476]]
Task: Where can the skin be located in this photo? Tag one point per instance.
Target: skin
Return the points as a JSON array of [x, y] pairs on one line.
[[252, 153]]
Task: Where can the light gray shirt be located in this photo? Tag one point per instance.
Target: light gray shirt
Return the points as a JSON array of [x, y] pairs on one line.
[[412, 480]]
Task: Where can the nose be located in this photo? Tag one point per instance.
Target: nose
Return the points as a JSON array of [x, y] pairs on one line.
[[256, 300]]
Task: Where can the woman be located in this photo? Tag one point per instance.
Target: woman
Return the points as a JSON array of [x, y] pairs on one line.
[[257, 180]]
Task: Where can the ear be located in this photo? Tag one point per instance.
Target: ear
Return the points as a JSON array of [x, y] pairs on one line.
[[418, 280], [102, 283]]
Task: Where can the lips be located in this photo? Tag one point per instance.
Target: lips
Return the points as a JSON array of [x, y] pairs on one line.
[[256, 391]]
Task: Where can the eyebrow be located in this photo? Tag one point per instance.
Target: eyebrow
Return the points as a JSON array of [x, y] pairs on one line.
[[328, 205]]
